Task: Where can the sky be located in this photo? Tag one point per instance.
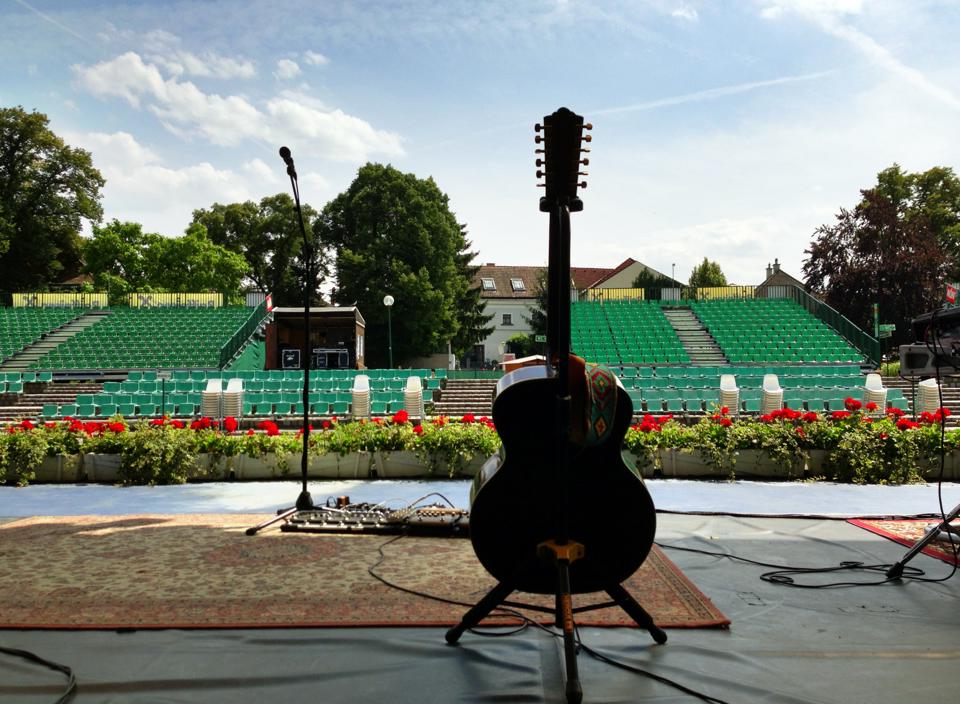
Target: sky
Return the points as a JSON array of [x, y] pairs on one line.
[[727, 129]]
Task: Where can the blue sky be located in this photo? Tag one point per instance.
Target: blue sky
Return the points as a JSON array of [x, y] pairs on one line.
[[726, 129]]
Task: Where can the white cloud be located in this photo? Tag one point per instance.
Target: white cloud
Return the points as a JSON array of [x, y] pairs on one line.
[[286, 69], [187, 111], [258, 169], [831, 15], [683, 12], [315, 58]]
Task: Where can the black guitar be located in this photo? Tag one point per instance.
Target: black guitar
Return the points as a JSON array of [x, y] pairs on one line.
[[561, 473]]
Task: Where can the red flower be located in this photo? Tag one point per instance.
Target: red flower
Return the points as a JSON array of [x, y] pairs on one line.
[[300, 432], [852, 404], [840, 415], [871, 406], [896, 412], [418, 429], [250, 431], [906, 424], [401, 417], [50, 426], [116, 427], [724, 410], [326, 425], [468, 418], [269, 427], [810, 417], [158, 421], [230, 424], [440, 421], [178, 424], [726, 422], [27, 425], [801, 432]]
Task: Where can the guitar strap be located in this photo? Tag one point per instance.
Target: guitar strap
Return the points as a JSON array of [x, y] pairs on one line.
[[593, 391]]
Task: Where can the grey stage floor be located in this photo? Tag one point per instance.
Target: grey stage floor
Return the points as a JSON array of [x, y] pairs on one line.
[[890, 643]]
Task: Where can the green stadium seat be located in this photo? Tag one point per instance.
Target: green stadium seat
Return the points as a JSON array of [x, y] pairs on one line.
[[50, 411]]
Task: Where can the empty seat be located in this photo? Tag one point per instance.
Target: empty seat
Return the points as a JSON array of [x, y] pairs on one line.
[[360, 405], [772, 397], [211, 399], [729, 393]]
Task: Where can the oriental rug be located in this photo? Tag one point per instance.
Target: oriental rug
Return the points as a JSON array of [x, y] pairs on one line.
[[202, 571], [907, 532]]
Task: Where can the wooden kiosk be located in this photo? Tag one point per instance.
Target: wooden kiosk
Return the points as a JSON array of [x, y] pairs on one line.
[[336, 338]]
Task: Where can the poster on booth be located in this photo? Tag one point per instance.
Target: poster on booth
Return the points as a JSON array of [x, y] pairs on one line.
[[951, 293]]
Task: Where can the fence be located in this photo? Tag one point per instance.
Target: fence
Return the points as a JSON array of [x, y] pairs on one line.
[[867, 344], [243, 334]]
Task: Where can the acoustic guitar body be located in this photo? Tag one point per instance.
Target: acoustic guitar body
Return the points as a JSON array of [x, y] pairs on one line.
[[517, 495]]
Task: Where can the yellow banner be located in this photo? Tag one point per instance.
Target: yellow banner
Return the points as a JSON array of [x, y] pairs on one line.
[[189, 300], [59, 300], [615, 294]]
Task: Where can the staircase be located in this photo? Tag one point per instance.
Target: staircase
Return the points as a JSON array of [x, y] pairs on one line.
[[462, 396], [23, 359], [698, 343], [29, 404], [951, 395]]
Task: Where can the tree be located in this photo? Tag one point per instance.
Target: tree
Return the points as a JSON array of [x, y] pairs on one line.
[[269, 238], [116, 258], [46, 190], [538, 311], [474, 321], [707, 274], [123, 259], [652, 282], [897, 247], [393, 233]]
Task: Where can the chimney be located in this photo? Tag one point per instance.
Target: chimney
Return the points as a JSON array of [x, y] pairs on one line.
[[769, 270], [776, 266]]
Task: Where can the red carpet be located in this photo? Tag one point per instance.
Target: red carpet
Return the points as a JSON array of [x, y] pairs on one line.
[[201, 571], [908, 532]]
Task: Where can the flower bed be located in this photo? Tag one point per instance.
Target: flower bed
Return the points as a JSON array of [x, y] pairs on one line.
[[856, 445]]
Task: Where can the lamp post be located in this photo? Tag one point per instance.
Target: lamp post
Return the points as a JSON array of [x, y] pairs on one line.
[[673, 271], [388, 302]]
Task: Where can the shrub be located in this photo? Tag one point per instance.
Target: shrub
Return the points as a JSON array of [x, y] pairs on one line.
[[23, 451], [162, 455]]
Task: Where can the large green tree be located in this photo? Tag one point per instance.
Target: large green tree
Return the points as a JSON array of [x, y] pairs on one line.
[[122, 259], [897, 247], [268, 235], [47, 190], [474, 320], [707, 274], [393, 233]]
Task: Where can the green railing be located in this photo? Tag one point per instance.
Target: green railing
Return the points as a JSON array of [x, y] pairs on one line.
[[474, 374], [867, 344], [243, 334], [666, 296]]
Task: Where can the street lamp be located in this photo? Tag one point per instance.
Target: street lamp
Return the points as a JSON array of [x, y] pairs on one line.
[[388, 302], [673, 272]]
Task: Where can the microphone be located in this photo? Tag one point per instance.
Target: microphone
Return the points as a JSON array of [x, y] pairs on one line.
[[288, 160]]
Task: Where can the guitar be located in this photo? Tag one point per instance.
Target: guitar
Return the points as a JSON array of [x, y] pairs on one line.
[[561, 474]]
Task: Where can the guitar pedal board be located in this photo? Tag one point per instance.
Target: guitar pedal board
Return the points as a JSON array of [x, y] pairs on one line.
[[433, 520]]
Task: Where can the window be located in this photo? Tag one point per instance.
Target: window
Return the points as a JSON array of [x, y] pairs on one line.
[[517, 285], [507, 319], [488, 285]]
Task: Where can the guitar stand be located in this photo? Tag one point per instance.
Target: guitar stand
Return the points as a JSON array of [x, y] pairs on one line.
[[562, 555]]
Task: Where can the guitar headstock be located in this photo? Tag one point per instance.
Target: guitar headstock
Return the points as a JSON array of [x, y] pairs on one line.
[[561, 135]]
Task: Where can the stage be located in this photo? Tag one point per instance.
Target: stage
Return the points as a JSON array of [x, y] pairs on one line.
[[889, 643]]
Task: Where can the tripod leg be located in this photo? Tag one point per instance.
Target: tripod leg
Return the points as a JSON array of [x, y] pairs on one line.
[[626, 602], [479, 610], [896, 571], [565, 617], [282, 516]]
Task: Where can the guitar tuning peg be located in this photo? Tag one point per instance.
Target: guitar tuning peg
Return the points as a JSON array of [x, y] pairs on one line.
[[585, 162], [541, 185], [541, 151], [583, 173], [584, 151], [538, 139], [539, 162], [537, 127], [540, 174], [588, 126], [588, 138], [582, 184]]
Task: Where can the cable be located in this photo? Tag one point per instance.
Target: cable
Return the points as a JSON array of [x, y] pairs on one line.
[[32, 657], [526, 622]]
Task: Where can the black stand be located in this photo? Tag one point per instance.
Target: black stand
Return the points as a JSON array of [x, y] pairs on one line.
[[304, 501], [896, 571], [562, 556]]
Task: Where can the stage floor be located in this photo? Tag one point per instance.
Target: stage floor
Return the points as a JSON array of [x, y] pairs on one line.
[[891, 643]]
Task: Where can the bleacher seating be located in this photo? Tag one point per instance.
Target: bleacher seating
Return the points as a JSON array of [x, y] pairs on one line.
[[265, 393], [163, 337], [624, 332], [697, 389], [20, 327], [762, 330]]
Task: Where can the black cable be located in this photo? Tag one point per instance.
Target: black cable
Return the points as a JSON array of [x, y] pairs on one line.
[[33, 657], [526, 622]]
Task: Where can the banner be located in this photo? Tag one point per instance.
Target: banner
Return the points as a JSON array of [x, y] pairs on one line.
[[951, 293], [187, 300], [59, 300]]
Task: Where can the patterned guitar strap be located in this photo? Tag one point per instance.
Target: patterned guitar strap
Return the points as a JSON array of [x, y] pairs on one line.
[[593, 402]]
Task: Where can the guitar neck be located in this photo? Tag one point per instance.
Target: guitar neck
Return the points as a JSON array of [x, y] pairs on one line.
[[558, 285]]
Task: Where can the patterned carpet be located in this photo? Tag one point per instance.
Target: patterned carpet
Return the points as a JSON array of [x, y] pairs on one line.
[[908, 532], [201, 571]]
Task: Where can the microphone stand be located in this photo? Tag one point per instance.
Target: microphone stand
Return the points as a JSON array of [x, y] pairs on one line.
[[304, 500]]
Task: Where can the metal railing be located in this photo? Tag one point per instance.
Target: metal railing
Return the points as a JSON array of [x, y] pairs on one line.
[[242, 334], [867, 344]]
